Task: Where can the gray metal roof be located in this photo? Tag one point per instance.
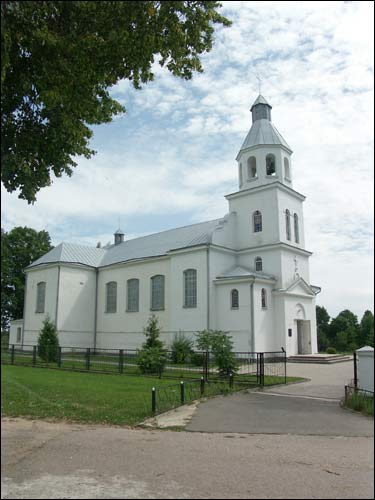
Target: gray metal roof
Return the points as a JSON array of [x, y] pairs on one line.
[[260, 100], [263, 132], [152, 245], [243, 272]]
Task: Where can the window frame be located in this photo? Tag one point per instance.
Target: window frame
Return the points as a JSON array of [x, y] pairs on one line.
[[252, 164], [271, 156], [264, 302], [193, 294], [153, 291], [286, 168], [296, 228], [110, 310], [288, 229], [40, 309], [257, 226], [129, 282], [257, 261], [234, 292]]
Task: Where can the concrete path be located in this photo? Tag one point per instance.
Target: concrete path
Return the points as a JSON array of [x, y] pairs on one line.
[[309, 408], [45, 460]]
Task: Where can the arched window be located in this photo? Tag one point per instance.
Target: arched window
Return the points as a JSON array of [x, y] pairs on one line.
[[296, 228], [258, 264], [240, 174], [286, 168], [111, 297], [270, 164], [287, 224], [157, 292], [264, 298], [234, 299], [190, 288], [251, 167], [257, 222], [132, 296], [40, 297]]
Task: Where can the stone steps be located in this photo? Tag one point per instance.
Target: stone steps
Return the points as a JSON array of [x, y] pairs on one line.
[[319, 358]]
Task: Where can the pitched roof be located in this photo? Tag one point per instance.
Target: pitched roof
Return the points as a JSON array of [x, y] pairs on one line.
[[153, 245], [243, 272], [260, 100], [263, 132]]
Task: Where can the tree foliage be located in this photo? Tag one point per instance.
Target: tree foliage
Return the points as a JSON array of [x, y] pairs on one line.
[[366, 330], [19, 248], [322, 325], [48, 341], [220, 344], [58, 60], [152, 358]]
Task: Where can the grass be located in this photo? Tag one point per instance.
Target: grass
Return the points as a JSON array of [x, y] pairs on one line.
[[79, 397], [96, 398], [361, 402]]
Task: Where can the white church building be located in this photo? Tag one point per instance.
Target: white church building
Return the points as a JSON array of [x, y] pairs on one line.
[[246, 273]]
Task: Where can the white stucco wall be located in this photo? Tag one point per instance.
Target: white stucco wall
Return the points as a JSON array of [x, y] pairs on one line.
[[34, 320], [298, 306], [14, 326], [287, 200], [264, 319], [76, 306]]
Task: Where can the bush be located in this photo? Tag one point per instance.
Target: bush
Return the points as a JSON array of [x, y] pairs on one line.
[[152, 358], [197, 359], [331, 350], [48, 342], [221, 345], [182, 349]]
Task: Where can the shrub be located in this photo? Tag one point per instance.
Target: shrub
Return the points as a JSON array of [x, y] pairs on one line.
[[152, 357], [197, 359], [221, 345], [48, 341], [331, 350], [152, 360], [182, 349]]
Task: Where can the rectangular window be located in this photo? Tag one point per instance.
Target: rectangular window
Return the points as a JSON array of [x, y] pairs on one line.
[[157, 293], [190, 288], [40, 297], [111, 297], [132, 304], [18, 334]]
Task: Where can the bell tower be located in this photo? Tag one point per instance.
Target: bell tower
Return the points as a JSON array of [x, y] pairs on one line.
[[265, 156]]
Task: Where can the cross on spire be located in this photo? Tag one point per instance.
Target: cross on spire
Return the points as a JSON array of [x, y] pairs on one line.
[[260, 79]]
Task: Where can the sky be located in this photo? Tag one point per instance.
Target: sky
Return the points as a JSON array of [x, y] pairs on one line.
[[170, 159]]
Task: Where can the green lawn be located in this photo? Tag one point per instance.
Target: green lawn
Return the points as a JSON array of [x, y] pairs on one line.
[[81, 397], [94, 397]]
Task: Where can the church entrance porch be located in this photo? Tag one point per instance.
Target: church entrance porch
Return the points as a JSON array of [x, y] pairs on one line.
[[304, 336]]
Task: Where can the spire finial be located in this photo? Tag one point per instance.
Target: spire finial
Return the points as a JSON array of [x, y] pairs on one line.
[[260, 79]]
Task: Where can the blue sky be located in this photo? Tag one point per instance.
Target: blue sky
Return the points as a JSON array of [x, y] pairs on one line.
[[170, 159]]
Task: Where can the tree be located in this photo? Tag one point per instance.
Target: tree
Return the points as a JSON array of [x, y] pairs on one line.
[[322, 325], [152, 357], [48, 341], [59, 59], [19, 248], [343, 331], [221, 345], [366, 330]]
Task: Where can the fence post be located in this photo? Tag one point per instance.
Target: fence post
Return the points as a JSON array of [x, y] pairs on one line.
[[261, 362], [47, 353], [355, 370], [284, 367], [202, 386], [12, 355], [34, 355], [346, 393], [231, 380], [153, 399], [59, 357], [121, 361], [206, 363], [88, 359], [257, 367], [182, 386]]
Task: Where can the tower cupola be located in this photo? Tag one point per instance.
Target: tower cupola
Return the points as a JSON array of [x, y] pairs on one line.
[[119, 236], [261, 109]]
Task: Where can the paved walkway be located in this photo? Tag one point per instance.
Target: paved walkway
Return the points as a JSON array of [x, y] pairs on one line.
[[308, 408]]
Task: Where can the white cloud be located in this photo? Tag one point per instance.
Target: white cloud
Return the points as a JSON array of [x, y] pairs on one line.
[[173, 152]]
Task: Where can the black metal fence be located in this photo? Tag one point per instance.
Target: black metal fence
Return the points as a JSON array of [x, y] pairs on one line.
[[359, 399], [251, 367]]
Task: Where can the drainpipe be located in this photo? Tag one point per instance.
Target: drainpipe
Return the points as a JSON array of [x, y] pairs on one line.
[[252, 333], [96, 305], [24, 311], [208, 286], [57, 296]]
